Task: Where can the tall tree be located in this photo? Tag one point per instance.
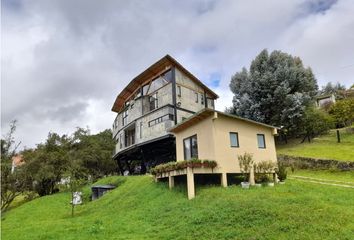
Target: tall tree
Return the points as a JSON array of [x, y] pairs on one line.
[[331, 88], [275, 90], [46, 164], [11, 182]]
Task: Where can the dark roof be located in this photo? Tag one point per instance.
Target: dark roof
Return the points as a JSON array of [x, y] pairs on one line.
[[324, 96], [164, 63], [206, 112]]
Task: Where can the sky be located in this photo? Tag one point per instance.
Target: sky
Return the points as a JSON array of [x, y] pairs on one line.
[[63, 62]]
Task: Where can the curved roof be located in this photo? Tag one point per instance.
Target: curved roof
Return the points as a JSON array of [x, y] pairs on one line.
[[161, 65]]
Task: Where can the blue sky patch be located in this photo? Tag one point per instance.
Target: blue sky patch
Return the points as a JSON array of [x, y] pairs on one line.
[[214, 79]]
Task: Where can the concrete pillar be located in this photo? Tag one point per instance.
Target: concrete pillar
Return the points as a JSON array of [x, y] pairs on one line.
[[224, 179], [251, 180], [171, 181], [275, 178], [190, 183]]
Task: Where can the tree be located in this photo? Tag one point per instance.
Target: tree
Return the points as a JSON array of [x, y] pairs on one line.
[[11, 182], [343, 112], [275, 90], [314, 123], [331, 88], [94, 152], [77, 177], [46, 164]]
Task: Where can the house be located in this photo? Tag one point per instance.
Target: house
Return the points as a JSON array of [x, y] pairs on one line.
[[323, 100], [17, 161], [159, 98], [221, 137]]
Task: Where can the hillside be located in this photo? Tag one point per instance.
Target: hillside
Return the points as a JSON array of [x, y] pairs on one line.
[[142, 209], [324, 147]]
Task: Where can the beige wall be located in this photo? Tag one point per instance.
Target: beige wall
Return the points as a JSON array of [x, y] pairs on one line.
[[205, 140], [214, 142]]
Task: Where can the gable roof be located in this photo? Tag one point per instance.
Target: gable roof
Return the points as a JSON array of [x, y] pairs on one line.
[[150, 72], [206, 112]]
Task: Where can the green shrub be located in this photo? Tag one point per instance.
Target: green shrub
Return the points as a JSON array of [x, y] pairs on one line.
[[245, 161], [281, 172]]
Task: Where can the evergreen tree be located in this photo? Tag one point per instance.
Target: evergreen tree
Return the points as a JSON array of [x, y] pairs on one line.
[[275, 90]]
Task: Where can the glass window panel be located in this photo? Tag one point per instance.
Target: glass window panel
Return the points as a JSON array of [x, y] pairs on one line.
[[156, 84], [168, 76], [234, 139], [194, 152], [187, 149], [261, 141]]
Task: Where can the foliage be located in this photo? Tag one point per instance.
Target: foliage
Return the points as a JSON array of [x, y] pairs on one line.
[[94, 152], [77, 177], [331, 88], [47, 164], [281, 172], [180, 165], [11, 184], [245, 162], [315, 122], [265, 167], [343, 112], [142, 209], [275, 90]]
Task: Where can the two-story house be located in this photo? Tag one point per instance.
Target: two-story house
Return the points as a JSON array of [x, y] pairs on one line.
[[160, 97]]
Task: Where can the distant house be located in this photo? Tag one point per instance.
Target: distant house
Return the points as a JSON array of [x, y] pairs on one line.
[[323, 100], [17, 161], [221, 137]]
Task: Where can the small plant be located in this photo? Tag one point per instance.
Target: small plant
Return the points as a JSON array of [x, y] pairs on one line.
[[281, 172], [180, 165], [245, 162]]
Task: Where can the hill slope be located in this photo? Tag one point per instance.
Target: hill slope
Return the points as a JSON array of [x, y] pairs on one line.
[[323, 147], [142, 209]]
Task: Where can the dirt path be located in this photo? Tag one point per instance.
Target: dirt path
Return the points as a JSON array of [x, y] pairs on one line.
[[324, 181]]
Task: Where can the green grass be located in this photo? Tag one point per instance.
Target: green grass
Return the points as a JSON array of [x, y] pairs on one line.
[[142, 209], [331, 175], [323, 147]]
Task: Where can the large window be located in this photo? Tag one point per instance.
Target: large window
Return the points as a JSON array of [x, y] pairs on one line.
[[153, 103], [202, 98], [196, 97], [125, 117], [161, 119], [234, 139], [261, 141], [190, 146], [157, 83]]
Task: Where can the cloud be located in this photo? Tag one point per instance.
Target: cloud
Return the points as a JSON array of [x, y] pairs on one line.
[[64, 62]]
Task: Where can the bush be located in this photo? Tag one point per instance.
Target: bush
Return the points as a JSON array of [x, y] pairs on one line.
[[281, 172], [245, 161], [343, 112]]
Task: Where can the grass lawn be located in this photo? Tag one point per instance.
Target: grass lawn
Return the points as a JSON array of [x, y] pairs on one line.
[[324, 147], [142, 209], [331, 175]]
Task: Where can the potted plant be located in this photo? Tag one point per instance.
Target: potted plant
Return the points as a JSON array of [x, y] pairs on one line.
[[257, 176], [282, 173], [265, 168], [246, 163]]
